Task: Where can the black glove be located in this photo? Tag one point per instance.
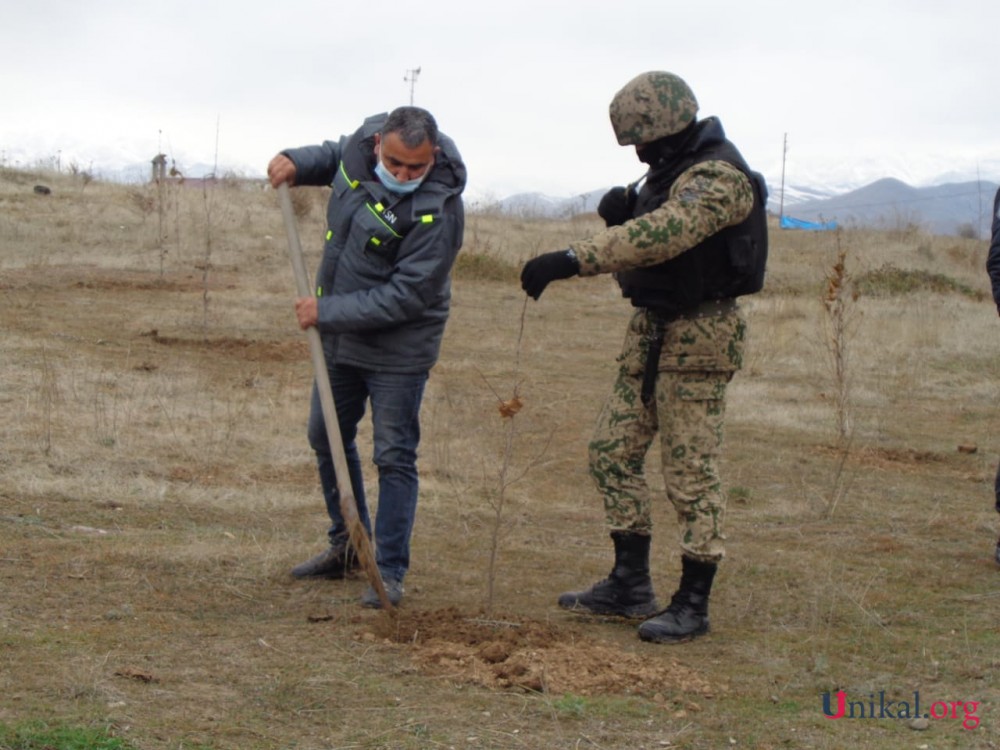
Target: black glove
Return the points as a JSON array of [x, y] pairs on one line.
[[538, 272], [616, 206]]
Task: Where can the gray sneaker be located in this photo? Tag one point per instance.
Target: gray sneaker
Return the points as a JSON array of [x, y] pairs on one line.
[[393, 589], [333, 562]]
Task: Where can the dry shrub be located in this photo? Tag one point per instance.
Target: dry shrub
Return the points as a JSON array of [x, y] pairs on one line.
[[485, 266], [889, 281], [302, 202]]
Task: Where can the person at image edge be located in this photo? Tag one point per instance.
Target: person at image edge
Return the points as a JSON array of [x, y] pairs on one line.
[[993, 268]]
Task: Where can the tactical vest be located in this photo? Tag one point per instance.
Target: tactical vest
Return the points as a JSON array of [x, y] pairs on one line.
[[728, 264]]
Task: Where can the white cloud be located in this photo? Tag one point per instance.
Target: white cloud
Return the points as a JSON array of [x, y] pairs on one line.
[[523, 87]]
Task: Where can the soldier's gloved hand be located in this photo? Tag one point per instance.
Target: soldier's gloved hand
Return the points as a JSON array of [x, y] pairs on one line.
[[538, 272], [616, 206]]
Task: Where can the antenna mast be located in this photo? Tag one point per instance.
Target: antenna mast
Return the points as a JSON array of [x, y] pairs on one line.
[[411, 78]]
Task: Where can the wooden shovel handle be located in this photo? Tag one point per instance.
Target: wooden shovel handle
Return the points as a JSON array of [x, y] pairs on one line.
[[348, 504]]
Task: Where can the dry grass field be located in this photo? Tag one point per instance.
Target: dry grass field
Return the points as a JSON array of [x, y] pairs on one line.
[[156, 486]]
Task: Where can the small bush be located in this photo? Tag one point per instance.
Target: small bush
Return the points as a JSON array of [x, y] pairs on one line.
[[968, 231], [485, 267], [889, 281], [302, 202]]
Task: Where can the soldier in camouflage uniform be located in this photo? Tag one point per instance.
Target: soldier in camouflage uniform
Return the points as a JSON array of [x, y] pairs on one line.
[[682, 246]]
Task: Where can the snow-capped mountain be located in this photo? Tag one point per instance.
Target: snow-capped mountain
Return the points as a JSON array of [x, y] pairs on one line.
[[943, 207], [956, 208]]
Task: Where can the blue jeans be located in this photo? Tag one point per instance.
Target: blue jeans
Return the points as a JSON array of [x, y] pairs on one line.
[[395, 402]]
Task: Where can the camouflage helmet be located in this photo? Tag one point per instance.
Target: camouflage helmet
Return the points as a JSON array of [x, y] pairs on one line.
[[651, 106]]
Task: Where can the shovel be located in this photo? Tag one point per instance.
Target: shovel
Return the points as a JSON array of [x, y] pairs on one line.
[[348, 505]]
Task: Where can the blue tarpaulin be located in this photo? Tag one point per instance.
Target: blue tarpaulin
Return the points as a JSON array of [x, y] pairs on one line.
[[787, 222]]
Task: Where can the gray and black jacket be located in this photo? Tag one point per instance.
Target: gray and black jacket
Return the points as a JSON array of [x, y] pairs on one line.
[[384, 283]]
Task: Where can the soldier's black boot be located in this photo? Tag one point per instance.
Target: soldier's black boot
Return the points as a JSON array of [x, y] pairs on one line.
[[628, 590], [687, 615]]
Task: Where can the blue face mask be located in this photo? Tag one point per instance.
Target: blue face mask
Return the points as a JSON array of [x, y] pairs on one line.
[[401, 188]]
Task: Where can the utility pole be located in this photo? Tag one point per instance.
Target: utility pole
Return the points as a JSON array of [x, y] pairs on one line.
[[979, 187], [781, 204], [411, 78]]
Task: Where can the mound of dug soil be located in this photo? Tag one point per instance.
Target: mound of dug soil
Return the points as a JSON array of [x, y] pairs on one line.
[[530, 655]]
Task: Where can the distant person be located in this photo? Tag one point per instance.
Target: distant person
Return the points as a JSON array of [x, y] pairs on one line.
[[993, 267], [395, 223], [682, 247]]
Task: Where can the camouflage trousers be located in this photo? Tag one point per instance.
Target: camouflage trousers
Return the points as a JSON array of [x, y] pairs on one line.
[[699, 357]]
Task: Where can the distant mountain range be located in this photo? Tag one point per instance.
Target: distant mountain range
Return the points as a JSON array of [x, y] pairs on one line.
[[959, 208], [539, 205], [954, 208]]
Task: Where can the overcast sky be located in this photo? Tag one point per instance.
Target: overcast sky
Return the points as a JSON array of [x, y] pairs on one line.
[[863, 88]]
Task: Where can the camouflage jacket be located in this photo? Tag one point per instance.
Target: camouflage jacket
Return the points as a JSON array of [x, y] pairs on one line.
[[704, 199]]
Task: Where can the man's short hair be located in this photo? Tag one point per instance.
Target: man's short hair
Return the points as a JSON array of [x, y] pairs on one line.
[[413, 125]]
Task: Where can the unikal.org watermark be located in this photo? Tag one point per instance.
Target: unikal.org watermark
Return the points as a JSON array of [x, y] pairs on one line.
[[877, 706]]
